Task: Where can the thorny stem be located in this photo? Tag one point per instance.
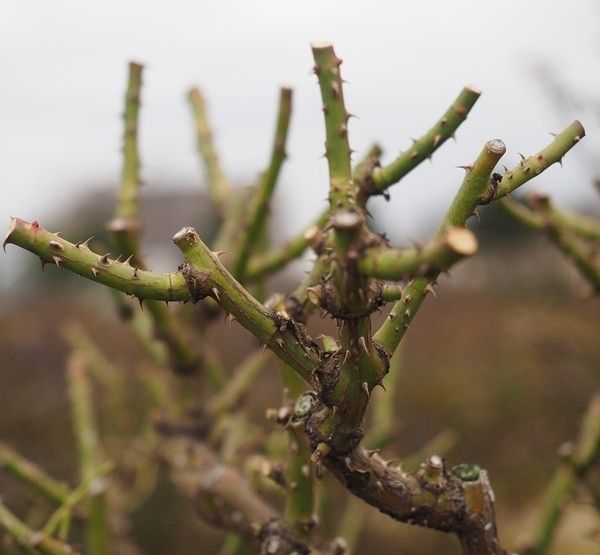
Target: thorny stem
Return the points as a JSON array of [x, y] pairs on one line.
[[90, 455], [464, 204], [125, 229], [206, 276], [78, 258], [536, 164], [219, 187], [337, 148], [260, 202], [425, 146], [438, 255]]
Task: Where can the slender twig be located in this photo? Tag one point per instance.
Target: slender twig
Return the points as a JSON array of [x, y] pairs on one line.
[[32, 475], [238, 385], [542, 216], [61, 517], [31, 541], [275, 259], [424, 146], [125, 229], [536, 164], [219, 186], [90, 455], [579, 459], [260, 203]]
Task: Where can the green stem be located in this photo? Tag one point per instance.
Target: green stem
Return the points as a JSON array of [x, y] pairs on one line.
[[128, 205], [536, 164], [81, 260], [426, 145], [64, 511], [260, 202], [299, 473], [219, 186], [125, 230], [31, 541], [562, 486], [466, 200], [238, 385], [32, 475], [262, 265], [337, 149], [438, 255], [206, 276], [90, 455]]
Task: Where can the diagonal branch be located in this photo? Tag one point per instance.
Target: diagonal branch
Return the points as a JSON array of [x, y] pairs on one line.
[[423, 147]]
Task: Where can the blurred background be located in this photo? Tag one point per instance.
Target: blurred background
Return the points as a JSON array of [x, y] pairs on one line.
[[507, 356]]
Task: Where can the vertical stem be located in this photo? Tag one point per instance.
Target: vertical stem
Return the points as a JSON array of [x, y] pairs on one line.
[[300, 499], [260, 202], [337, 148], [219, 187], [90, 455]]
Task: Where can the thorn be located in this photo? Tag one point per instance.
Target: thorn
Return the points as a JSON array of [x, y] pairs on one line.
[[391, 315], [58, 233], [279, 342], [43, 262], [429, 289], [505, 168], [57, 260], [380, 384], [365, 388], [136, 273], [141, 301], [550, 133], [476, 214], [218, 254], [215, 292], [264, 347], [436, 140], [128, 260], [13, 225], [363, 344], [104, 259], [560, 162], [346, 355], [466, 167], [118, 259], [85, 244], [94, 271], [230, 318]]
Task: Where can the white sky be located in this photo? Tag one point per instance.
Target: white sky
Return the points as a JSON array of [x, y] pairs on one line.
[[63, 67]]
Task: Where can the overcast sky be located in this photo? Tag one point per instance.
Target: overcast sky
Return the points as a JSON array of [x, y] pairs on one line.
[[64, 66]]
